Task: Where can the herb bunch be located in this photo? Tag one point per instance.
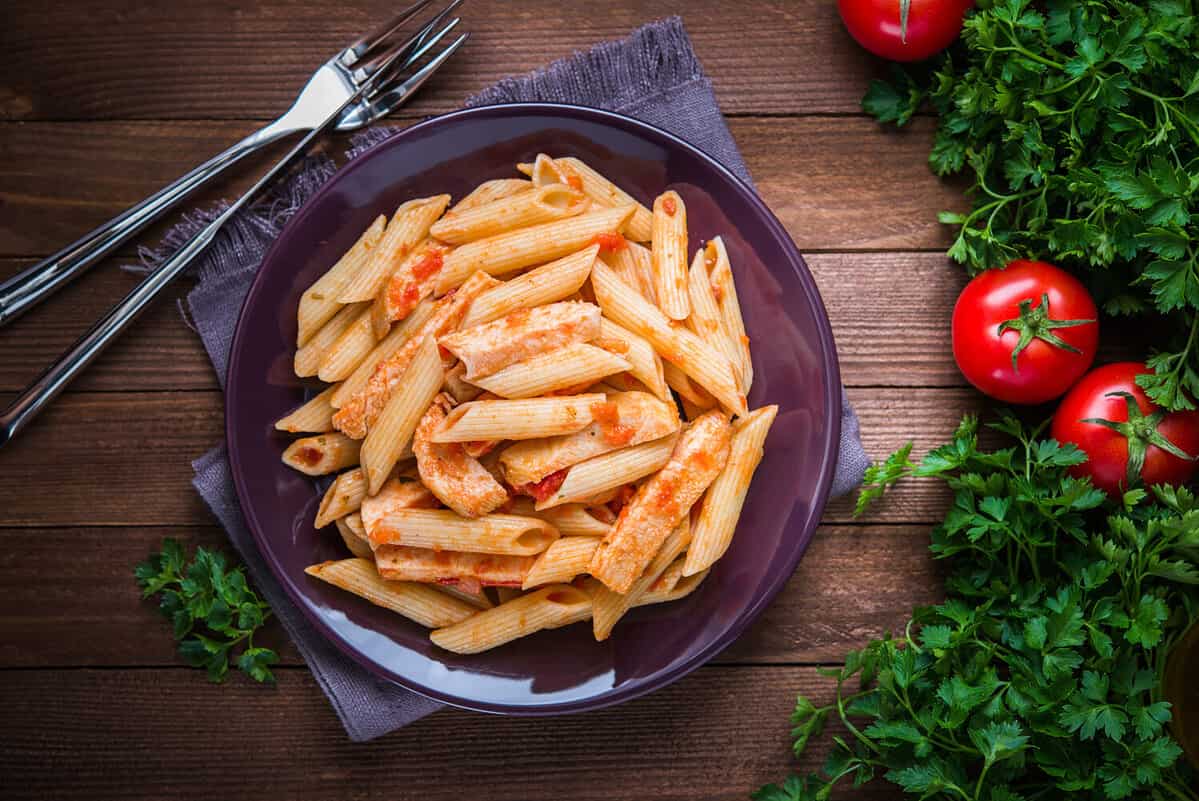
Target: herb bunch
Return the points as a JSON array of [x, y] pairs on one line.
[[1039, 677], [1078, 123], [213, 611]]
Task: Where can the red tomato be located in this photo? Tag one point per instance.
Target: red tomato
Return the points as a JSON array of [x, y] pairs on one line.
[[1026, 333], [1127, 438], [878, 25]]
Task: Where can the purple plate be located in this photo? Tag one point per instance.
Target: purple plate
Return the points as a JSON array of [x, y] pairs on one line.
[[795, 366]]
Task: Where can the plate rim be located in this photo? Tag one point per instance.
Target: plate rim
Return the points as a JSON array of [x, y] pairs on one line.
[[827, 467]]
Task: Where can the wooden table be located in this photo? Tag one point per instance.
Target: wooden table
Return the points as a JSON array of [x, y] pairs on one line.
[[103, 101]]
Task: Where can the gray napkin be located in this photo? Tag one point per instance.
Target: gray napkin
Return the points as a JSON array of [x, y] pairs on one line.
[[652, 75]]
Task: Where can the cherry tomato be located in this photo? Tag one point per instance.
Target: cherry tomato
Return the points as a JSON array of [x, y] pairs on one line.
[[879, 26], [1026, 333], [1127, 438]]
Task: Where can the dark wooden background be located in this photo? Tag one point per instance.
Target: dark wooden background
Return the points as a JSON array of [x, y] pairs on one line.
[[102, 102]]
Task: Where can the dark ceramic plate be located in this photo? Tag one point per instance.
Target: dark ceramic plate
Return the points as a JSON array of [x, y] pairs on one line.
[[794, 362]]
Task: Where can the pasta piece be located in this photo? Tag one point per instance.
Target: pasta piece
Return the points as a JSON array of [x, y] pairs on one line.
[[506, 594], [575, 365], [353, 523], [562, 561], [723, 501], [359, 546], [523, 334], [607, 607], [661, 503], [625, 418], [396, 493], [406, 287], [457, 479], [544, 204], [634, 265], [457, 387], [319, 302], [307, 361], [586, 481], [681, 589], [490, 191], [360, 410], [392, 432], [548, 283], [677, 345], [349, 349], [599, 189], [692, 410], [408, 227], [670, 255], [517, 419], [343, 497], [475, 596], [548, 608], [720, 274], [705, 320], [391, 343], [669, 578], [417, 602], [688, 390], [322, 454], [645, 364], [515, 250], [450, 568], [314, 416], [571, 520], [443, 529]]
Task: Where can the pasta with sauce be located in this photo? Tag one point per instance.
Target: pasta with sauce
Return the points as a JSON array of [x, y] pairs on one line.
[[537, 421]]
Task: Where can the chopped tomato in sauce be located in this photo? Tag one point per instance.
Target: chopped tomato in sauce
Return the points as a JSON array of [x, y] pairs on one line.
[[429, 266], [669, 206], [573, 181], [718, 292], [546, 487], [310, 456], [623, 496], [610, 242]]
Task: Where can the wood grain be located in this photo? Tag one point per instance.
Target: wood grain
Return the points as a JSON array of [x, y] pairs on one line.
[[162, 60], [836, 183], [123, 459], [67, 597], [147, 734]]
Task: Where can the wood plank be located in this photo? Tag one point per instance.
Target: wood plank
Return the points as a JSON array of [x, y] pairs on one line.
[[123, 458], [836, 183], [67, 597], [717, 734], [159, 60]]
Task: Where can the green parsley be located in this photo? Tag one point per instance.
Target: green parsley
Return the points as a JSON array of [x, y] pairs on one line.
[[1039, 677], [1078, 122], [212, 610]]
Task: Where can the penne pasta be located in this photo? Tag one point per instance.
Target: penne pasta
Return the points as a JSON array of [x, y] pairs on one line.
[[634, 265], [518, 419], [625, 419], [691, 392], [506, 594], [720, 275], [693, 356], [314, 416], [457, 387], [561, 562], [523, 334], [391, 435], [548, 283], [595, 186], [489, 191], [543, 204], [359, 411], [308, 359], [669, 254], [607, 607], [319, 302], [515, 250], [645, 364], [343, 497], [475, 596], [353, 523], [451, 568], [454, 476], [408, 227], [571, 519], [588, 480], [443, 529], [705, 320], [723, 501], [662, 502], [322, 454], [417, 602], [396, 493], [349, 349], [358, 544], [681, 589], [406, 287], [397, 338], [575, 365], [548, 608]]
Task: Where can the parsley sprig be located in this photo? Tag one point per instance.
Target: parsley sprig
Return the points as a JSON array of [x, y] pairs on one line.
[[212, 610], [1078, 121], [1039, 677]]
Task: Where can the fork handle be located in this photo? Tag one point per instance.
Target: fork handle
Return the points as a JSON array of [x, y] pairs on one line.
[[37, 282]]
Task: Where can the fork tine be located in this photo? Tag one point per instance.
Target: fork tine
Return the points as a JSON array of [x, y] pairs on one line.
[[416, 45], [359, 47], [384, 102]]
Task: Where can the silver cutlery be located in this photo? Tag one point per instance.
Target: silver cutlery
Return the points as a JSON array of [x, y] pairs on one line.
[[341, 85], [332, 81]]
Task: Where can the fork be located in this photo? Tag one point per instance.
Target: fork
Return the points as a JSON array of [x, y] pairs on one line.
[[350, 78], [335, 78]]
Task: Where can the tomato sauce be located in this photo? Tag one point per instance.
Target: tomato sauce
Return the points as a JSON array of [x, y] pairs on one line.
[[610, 242], [429, 266], [310, 456], [542, 490], [669, 206]]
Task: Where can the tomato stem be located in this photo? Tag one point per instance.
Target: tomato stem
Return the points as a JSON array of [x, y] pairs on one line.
[[1141, 432], [905, 6], [1035, 323]]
